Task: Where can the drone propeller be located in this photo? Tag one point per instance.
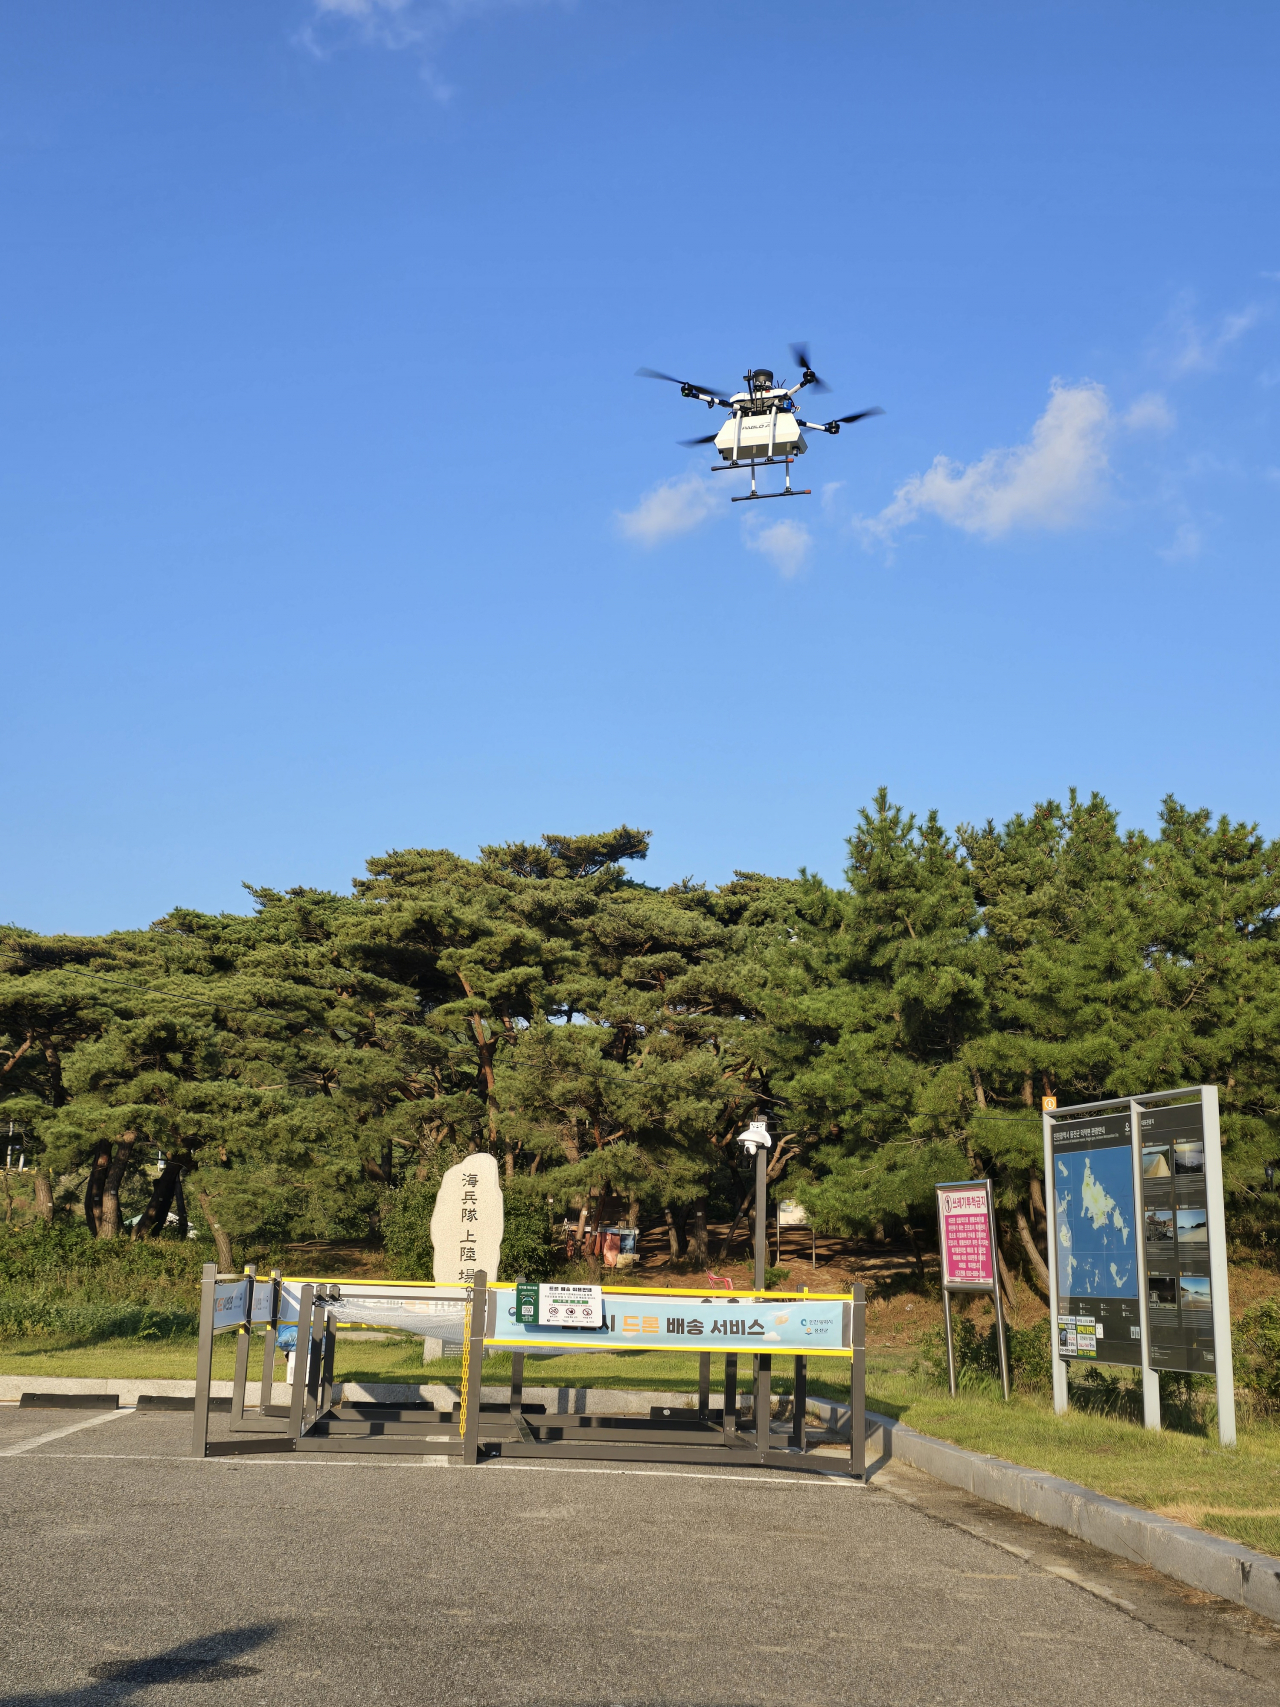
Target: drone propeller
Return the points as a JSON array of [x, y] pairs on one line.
[[800, 353], [706, 439], [687, 386], [842, 420]]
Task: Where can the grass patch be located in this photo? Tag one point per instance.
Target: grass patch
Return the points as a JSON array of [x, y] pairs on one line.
[[1259, 1530]]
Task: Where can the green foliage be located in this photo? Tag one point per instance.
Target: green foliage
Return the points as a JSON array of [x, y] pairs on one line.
[[406, 1230], [526, 1242], [1257, 1345], [86, 1321], [774, 1277], [59, 1281], [978, 1355], [605, 1039], [65, 1253]]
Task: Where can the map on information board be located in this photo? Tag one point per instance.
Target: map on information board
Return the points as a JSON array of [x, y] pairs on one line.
[[1097, 1246]]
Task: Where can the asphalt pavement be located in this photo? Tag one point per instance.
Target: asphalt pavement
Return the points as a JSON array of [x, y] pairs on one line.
[[132, 1571]]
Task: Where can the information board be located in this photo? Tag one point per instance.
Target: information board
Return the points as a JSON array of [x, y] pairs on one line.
[[564, 1306], [1096, 1238], [812, 1325], [964, 1220], [1176, 1212], [230, 1303]]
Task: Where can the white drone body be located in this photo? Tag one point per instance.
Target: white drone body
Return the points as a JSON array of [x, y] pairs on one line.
[[764, 425]]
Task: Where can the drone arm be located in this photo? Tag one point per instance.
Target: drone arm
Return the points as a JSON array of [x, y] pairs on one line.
[[821, 426]]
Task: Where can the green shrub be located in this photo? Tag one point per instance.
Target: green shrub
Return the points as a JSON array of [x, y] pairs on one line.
[[66, 1253], [406, 1229], [1257, 1337], [45, 1314], [526, 1239], [977, 1354], [406, 1232]]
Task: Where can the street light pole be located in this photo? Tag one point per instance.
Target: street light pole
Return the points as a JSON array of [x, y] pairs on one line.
[[756, 1142]]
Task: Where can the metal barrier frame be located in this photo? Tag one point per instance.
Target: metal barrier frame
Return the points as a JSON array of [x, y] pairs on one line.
[[471, 1431]]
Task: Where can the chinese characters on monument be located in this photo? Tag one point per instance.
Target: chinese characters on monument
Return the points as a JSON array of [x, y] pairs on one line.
[[466, 1224]]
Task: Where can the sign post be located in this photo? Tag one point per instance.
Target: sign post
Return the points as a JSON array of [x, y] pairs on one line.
[[967, 1244], [756, 1142], [1137, 1242]]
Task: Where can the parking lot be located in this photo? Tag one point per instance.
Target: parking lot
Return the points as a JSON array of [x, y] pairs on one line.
[[130, 1569]]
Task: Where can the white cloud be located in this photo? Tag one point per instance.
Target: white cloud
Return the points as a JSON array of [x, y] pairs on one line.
[[1054, 481], [1149, 414], [1193, 348], [675, 507], [785, 543], [1184, 545], [361, 8], [396, 24]]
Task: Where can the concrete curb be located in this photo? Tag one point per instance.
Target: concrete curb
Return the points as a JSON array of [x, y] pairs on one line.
[[1191, 1556]]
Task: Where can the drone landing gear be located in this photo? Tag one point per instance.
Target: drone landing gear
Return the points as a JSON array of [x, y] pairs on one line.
[[788, 490]]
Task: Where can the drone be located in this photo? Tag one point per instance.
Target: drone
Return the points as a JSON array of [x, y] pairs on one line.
[[763, 426]]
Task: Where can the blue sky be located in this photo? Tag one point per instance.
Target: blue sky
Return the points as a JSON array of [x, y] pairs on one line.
[[332, 518]]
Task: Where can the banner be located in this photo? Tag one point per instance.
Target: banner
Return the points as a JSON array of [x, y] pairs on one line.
[[230, 1303], [805, 1324], [433, 1312]]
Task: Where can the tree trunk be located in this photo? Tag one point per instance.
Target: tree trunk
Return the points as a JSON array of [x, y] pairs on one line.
[[915, 1249], [156, 1213], [484, 1046], [633, 1213], [1038, 1264], [698, 1244], [673, 1237], [109, 1225], [728, 1238], [1006, 1279], [57, 1090], [978, 1091], [44, 1194], [94, 1184], [221, 1242], [180, 1209], [1037, 1202], [388, 1165], [1028, 1089]]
